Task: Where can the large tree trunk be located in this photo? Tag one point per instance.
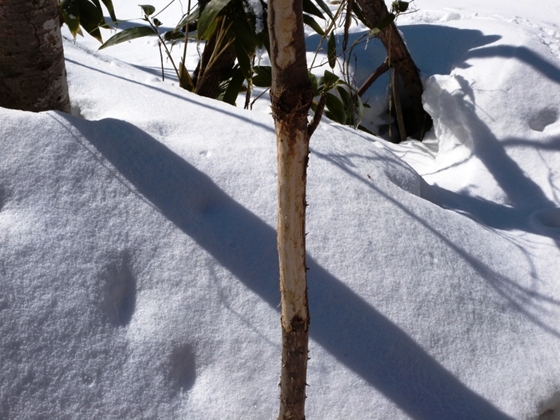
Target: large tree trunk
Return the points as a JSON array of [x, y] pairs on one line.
[[32, 72], [291, 95], [399, 59]]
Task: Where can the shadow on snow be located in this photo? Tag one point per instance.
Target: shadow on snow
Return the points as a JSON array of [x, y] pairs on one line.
[[350, 329]]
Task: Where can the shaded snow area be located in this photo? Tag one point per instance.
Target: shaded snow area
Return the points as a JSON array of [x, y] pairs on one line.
[[138, 267]]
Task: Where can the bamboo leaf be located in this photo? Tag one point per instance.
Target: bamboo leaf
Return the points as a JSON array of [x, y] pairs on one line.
[[331, 50], [188, 19], [109, 5], [325, 8], [309, 7], [234, 87], [312, 23], [91, 18], [71, 16], [243, 58], [263, 76], [245, 42], [128, 34], [208, 17]]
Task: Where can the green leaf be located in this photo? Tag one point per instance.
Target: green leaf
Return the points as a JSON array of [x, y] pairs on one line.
[[345, 97], [157, 23], [173, 35], [188, 19], [263, 76], [148, 9], [71, 16], [109, 5], [234, 87], [331, 79], [245, 42], [331, 50], [243, 58], [97, 5], [400, 6], [309, 7], [360, 109], [325, 8], [386, 21], [208, 17], [336, 109], [309, 21], [128, 34], [314, 84], [348, 102], [91, 18]]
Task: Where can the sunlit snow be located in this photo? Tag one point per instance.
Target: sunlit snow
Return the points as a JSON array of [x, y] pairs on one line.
[[138, 251]]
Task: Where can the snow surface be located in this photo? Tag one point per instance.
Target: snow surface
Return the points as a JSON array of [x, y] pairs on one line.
[[138, 255]]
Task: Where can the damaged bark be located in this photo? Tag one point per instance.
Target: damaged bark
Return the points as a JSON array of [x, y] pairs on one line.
[[291, 96]]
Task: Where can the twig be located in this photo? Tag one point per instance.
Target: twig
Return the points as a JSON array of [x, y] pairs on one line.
[[318, 114], [161, 59], [258, 97], [347, 23], [398, 107], [378, 72]]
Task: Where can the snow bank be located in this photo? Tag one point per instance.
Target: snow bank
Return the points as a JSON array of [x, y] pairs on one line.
[[138, 255]]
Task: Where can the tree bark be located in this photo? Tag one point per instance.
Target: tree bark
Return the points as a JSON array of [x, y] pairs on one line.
[[32, 71], [291, 96], [400, 59]]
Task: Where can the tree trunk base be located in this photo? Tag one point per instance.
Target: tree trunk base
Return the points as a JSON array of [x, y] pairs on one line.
[[294, 366]]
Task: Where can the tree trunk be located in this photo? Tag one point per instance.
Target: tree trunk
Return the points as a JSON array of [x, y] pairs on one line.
[[291, 95], [32, 72], [399, 58]]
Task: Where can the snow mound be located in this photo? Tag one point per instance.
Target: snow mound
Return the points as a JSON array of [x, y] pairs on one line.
[[138, 253]]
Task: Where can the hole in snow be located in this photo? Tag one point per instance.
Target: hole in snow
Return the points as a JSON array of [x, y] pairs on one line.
[[548, 218], [181, 373], [87, 379], [2, 198], [551, 408], [119, 292], [543, 119], [76, 111]]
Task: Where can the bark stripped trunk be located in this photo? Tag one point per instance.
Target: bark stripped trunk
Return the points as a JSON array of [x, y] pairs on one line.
[[32, 72], [291, 95], [399, 59]]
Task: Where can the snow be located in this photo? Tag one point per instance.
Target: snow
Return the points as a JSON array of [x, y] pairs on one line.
[[138, 255]]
